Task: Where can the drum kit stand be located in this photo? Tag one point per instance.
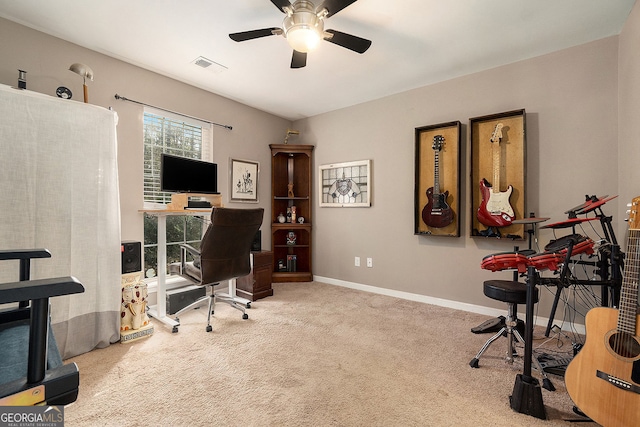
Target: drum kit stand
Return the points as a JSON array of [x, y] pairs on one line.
[[610, 259], [556, 257]]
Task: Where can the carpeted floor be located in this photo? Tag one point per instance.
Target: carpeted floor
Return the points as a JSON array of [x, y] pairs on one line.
[[311, 355]]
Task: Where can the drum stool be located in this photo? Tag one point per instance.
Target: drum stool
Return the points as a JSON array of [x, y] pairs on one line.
[[513, 293]]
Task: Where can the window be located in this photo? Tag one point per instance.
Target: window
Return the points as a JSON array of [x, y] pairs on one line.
[[165, 133]]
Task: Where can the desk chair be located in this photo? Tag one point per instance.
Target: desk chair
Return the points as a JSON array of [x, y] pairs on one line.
[[31, 369], [224, 255]]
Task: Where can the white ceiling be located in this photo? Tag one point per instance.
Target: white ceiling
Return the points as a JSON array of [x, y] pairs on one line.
[[415, 42]]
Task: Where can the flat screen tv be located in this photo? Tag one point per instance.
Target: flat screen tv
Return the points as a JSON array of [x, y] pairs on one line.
[[183, 175]]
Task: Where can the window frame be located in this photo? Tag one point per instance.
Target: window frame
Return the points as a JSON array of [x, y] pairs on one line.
[[160, 199]]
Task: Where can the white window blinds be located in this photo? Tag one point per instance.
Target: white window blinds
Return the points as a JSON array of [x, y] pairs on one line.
[[171, 134]]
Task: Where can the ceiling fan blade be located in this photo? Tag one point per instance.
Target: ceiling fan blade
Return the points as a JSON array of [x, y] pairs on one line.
[[299, 59], [253, 34], [281, 4], [354, 43], [335, 6]]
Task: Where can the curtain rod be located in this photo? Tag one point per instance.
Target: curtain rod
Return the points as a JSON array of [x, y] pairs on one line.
[[173, 112]]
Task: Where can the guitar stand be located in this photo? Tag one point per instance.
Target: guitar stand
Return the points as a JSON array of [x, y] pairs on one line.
[[527, 395], [577, 411]]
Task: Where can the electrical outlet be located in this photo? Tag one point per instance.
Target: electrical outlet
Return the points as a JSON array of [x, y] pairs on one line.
[[357, 261], [369, 262]]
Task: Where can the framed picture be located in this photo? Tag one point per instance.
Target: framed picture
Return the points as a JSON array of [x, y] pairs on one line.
[[437, 180], [498, 163], [243, 180], [345, 185]]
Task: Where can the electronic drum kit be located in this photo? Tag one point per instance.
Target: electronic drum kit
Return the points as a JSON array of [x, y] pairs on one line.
[[554, 255], [558, 251], [526, 397], [557, 254]]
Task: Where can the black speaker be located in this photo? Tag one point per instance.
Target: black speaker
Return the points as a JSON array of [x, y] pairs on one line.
[[131, 256], [256, 245]]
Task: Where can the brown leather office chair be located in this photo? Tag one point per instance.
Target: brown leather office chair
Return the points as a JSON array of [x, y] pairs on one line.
[[224, 255], [31, 369]]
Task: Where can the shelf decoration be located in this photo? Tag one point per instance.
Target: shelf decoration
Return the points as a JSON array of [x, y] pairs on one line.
[[291, 238], [243, 180], [345, 185], [437, 180]]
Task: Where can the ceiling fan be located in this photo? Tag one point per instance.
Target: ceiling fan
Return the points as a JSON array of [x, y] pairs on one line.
[[303, 27]]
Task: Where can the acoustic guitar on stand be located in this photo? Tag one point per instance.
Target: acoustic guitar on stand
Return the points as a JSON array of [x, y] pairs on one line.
[[603, 379], [437, 213], [495, 209]]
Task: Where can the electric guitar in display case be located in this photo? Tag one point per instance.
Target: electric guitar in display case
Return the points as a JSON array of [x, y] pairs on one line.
[[603, 379], [437, 213], [495, 209]]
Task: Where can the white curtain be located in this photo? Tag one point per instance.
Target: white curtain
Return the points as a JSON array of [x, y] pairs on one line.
[[59, 191]]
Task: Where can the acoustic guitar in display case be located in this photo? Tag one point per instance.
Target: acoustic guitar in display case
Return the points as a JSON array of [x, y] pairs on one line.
[[603, 379]]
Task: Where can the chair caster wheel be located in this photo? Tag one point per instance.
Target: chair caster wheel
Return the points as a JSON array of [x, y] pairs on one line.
[[174, 330], [474, 362], [248, 305], [209, 328], [245, 316]]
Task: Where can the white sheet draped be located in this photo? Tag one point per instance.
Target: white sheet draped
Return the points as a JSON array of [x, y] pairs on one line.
[[59, 190]]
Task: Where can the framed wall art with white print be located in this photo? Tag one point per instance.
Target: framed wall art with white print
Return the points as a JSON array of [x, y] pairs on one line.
[[243, 180], [345, 185]]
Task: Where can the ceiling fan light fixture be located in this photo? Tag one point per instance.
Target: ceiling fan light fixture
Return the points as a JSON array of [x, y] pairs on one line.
[[303, 39], [303, 28]]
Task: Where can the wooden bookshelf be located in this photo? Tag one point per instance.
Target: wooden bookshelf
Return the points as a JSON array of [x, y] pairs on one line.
[[291, 164]]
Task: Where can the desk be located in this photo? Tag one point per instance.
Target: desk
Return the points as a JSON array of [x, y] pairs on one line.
[[159, 311]]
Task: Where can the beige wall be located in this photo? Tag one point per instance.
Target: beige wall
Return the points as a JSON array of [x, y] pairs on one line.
[[572, 123], [47, 59], [629, 113], [571, 98]]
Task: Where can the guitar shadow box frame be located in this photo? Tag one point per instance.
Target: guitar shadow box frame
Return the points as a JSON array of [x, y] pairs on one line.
[[498, 175], [437, 181]]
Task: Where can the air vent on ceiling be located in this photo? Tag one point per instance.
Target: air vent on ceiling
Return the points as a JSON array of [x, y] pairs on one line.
[[208, 64]]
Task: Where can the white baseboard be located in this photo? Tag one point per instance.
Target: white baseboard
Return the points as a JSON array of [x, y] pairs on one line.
[[472, 308]]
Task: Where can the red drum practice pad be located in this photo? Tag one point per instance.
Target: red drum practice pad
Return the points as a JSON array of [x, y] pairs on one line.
[[546, 261], [505, 261]]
